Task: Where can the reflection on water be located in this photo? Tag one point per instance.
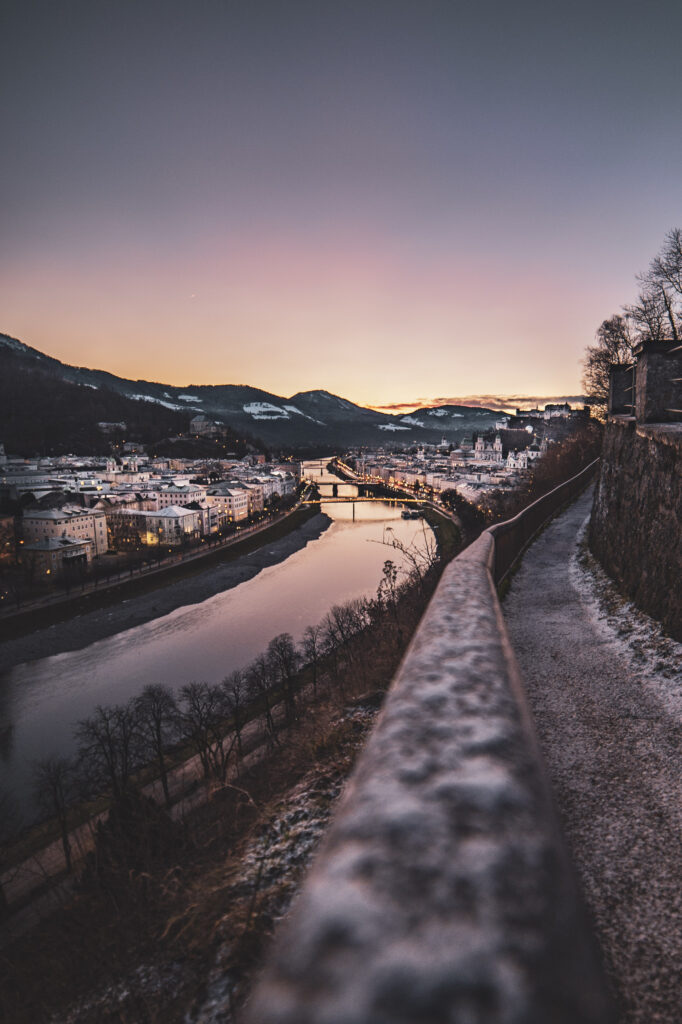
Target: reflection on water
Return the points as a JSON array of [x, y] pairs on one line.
[[40, 701]]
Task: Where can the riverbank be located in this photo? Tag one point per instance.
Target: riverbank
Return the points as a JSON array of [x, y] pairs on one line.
[[142, 604], [175, 929]]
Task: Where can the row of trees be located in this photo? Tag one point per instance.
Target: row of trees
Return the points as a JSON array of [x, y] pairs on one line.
[[162, 883], [120, 747], [655, 316]]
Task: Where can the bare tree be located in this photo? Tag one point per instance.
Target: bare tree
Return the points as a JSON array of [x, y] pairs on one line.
[[259, 677], [202, 721], [655, 316], [331, 646], [10, 822], [650, 313], [616, 339], [312, 650], [157, 717], [665, 273], [420, 557], [666, 267], [109, 748], [53, 779], [335, 636], [340, 626], [285, 660], [234, 688], [387, 591]]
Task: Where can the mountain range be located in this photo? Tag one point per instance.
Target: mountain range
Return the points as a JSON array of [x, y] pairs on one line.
[[85, 398]]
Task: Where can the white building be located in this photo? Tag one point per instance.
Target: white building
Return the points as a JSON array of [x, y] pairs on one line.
[[560, 411], [271, 484], [209, 517], [517, 460], [287, 482], [255, 496], [232, 502], [69, 522], [174, 494], [440, 482], [172, 526], [484, 451]]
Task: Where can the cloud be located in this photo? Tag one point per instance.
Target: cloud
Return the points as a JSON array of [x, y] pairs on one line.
[[398, 407], [499, 403]]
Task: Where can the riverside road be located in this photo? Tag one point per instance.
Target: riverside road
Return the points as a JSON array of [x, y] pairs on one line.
[[610, 732]]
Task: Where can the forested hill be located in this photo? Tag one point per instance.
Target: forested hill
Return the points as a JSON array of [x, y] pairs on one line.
[[49, 406], [43, 414]]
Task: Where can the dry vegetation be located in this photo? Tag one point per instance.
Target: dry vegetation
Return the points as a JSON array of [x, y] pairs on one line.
[[168, 918], [172, 915]]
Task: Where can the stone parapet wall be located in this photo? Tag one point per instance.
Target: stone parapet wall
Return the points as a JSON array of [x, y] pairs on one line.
[[636, 526], [658, 389], [443, 891]]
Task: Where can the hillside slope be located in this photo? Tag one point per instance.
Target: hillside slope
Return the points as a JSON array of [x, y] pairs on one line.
[[49, 406]]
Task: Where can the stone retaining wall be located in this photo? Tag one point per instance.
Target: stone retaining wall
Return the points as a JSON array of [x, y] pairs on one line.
[[636, 526]]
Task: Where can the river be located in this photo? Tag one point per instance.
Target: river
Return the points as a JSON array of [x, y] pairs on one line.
[[40, 701]]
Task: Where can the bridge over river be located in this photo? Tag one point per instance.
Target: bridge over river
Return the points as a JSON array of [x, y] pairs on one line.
[[484, 868]]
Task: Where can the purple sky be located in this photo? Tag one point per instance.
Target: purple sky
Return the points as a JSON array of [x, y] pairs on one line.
[[388, 200]]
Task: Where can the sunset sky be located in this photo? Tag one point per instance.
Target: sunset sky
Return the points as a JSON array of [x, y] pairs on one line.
[[395, 201]]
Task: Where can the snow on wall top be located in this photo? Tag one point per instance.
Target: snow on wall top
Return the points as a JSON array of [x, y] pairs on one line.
[[441, 891]]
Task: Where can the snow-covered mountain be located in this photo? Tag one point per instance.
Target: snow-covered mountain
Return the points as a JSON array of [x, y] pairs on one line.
[[304, 419]]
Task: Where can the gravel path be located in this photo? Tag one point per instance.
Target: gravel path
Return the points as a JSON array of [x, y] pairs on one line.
[[605, 689]]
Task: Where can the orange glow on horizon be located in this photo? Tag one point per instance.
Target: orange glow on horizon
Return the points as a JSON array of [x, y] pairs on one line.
[[359, 318]]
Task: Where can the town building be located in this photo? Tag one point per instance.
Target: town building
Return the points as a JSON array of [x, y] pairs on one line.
[[209, 517], [485, 451], [69, 522], [7, 539], [54, 555], [202, 426], [231, 501], [174, 494], [255, 496], [173, 526]]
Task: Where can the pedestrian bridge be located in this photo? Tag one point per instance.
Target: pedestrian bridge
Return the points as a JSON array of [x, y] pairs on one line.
[[443, 891], [362, 497], [337, 489]]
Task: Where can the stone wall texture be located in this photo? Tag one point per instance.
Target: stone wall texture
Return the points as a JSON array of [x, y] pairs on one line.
[[636, 526], [442, 893]]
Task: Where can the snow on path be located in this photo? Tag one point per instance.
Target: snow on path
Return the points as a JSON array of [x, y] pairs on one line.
[[605, 688]]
